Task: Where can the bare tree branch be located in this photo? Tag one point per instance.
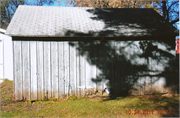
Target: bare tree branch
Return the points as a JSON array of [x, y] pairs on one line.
[[172, 5], [174, 21]]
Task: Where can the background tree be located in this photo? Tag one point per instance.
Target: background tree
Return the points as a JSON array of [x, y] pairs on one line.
[[8, 8], [113, 3], [168, 9]]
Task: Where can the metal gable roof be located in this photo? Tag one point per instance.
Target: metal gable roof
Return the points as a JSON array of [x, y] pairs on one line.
[[45, 21]]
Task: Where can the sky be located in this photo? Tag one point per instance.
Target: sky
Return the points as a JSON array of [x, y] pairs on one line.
[[57, 4]]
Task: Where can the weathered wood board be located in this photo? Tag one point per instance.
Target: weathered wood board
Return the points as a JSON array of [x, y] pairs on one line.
[[46, 69], [26, 70], [40, 70], [18, 71]]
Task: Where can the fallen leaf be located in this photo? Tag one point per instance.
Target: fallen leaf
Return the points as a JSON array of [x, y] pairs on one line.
[[115, 112]]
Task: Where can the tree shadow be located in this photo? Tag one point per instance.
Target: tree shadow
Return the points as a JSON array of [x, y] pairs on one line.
[[168, 106], [127, 63]]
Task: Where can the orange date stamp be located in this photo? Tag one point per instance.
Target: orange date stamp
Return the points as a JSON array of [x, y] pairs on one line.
[[147, 112]]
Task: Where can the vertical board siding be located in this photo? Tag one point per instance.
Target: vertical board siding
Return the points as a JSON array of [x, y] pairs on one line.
[[78, 74], [98, 52], [54, 69], [40, 66], [61, 69], [26, 70], [13, 51], [66, 66], [33, 70], [101, 60], [18, 71], [72, 70], [117, 65], [112, 66], [82, 75], [45, 69], [90, 73]]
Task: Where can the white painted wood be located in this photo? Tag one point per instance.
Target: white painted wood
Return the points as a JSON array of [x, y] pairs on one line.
[[112, 67], [47, 72], [40, 66], [54, 69], [2, 56], [26, 70], [66, 66], [108, 61], [147, 85], [33, 70], [7, 57], [154, 66], [90, 74], [118, 66], [18, 70], [61, 70], [104, 63], [2, 31], [135, 50], [98, 71], [57, 68], [100, 63], [124, 63], [1, 59], [78, 79], [72, 69], [13, 70], [82, 75]]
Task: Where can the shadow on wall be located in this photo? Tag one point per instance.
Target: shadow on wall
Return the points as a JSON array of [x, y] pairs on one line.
[[124, 70], [121, 63]]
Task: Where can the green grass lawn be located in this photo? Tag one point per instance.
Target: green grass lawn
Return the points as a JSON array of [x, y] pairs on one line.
[[97, 106]]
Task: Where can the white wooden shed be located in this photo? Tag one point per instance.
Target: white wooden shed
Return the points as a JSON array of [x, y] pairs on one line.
[[6, 57], [82, 51]]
